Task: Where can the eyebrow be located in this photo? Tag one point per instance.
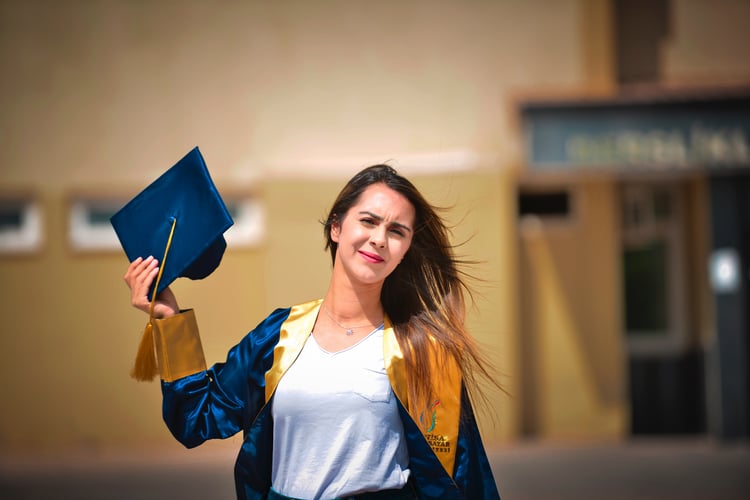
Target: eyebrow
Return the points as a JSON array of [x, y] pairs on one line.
[[380, 219]]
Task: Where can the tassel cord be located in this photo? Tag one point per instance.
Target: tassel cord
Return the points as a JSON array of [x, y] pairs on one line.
[[162, 264], [145, 367]]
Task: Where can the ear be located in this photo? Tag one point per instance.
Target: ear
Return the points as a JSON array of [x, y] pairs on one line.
[[335, 229]]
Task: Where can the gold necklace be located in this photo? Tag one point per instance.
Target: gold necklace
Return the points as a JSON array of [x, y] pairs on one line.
[[349, 329]]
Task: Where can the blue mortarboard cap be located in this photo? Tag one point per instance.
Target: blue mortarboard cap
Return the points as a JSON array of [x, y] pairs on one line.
[[184, 196]]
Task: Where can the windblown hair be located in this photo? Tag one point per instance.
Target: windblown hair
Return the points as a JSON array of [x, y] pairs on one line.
[[425, 296]]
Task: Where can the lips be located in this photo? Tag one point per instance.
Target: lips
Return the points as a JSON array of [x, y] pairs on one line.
[[371, 257]]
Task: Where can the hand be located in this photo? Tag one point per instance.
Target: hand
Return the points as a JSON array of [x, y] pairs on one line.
[[139, 276]]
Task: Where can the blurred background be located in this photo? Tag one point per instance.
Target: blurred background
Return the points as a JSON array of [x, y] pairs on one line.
[[593, 156]]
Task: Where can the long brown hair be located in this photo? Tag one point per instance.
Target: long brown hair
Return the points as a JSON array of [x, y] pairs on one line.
[[425, 296]]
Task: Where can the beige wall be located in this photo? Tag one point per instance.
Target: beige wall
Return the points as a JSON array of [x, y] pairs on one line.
[[69, 338], [698, 241], [121, 88], [286, 99], [709, 43], [574, 362]]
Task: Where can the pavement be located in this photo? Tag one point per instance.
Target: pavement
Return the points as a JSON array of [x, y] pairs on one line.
[[648, 469], [695, 469]]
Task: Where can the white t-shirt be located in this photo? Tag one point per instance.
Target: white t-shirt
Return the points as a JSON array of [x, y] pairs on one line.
[[337, 430]]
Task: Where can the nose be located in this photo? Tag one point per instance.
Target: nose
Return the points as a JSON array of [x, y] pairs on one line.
[[377, 238]]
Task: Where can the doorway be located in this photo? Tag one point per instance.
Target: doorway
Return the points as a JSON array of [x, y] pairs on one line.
[[665, 360]]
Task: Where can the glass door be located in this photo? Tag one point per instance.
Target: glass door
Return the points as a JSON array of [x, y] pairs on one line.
[[665, 368]]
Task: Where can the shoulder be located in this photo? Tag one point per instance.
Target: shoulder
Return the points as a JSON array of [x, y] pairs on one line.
[[272, 324], [310, 307]]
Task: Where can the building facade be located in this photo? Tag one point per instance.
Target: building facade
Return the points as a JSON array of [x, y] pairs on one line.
[[592, 154]]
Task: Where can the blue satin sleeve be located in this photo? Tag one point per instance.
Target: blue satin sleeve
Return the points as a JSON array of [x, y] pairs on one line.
[[223, 400], [472, 473]]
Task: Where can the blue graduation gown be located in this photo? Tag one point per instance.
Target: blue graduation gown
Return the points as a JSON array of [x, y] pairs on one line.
[[236, 395]]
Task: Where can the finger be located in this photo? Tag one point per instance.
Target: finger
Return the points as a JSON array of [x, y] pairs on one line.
[[143, 282], [139, 280], [131, 268], [145, 265], [138, 269]]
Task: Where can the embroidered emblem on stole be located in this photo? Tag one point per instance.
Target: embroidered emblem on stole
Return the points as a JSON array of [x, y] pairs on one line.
[[433, 419], [438, 442]]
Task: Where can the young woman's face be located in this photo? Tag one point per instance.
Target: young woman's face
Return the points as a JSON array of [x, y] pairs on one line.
[[374, 234]]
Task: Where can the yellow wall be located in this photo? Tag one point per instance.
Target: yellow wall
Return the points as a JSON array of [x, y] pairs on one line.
[[483, 215], [699, 243], [69, 338], [285, 99], [708, 43], [575, 374], [109, 92]]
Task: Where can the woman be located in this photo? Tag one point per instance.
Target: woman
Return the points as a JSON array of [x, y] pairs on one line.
[[363, 394]]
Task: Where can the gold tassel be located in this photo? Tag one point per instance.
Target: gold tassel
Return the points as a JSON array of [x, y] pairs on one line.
[[145, 367]]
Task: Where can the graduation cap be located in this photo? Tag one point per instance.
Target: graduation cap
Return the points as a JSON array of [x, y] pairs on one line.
[[181, 217]]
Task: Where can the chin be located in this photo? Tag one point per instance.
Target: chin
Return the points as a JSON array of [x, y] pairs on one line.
[[370, 278]]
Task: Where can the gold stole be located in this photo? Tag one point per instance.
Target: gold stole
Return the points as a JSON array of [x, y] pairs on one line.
[[438, 422], [292, 336]]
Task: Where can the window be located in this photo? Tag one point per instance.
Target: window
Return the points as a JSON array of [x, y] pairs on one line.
[[546, 207], [544, 204], [20, 224], [646, 289], [653, 267], [89, 227], [249, 222]]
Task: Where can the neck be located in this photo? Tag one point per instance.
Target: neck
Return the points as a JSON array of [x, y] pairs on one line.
[[349, 303]]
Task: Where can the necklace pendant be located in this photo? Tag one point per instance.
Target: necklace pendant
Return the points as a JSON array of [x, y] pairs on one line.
[[349, 331]]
